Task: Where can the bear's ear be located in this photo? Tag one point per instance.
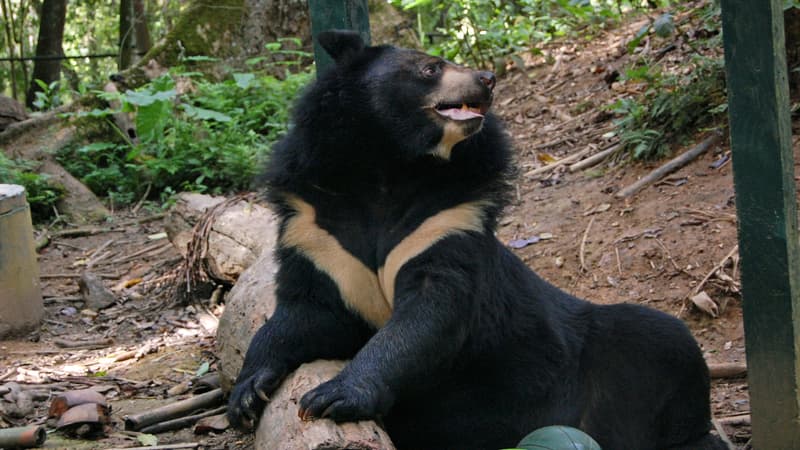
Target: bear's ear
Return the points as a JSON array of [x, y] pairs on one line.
[[341, 44]]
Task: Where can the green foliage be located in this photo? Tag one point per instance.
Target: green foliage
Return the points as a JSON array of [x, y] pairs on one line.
[[486, 32], [48, 97], [210, 139], [671, 109], [42, 194]]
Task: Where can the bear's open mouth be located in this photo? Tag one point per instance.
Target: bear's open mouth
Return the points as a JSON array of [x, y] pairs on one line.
[[461, 111]]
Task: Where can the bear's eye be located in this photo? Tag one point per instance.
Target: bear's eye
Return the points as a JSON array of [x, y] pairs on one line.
[[431, 70]]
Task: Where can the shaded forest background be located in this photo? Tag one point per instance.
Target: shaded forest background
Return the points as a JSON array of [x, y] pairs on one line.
[[162, 96]]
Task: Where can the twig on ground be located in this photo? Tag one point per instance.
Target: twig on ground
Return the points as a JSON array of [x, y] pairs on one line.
[[182, 422], [141, 200], [583, 246], [566, 160], [595, 159], [173, 410], [669, 167], [722, 434], [161, 447], [89, 344], [708, 276]]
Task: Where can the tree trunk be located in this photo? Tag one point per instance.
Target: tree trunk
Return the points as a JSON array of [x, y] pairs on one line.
[[143, 41], [127, 34], [229, 30], [8, 16], [48, 46]]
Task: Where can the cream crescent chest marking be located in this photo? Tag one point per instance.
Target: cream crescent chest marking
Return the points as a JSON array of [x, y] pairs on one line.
[[371, 294]]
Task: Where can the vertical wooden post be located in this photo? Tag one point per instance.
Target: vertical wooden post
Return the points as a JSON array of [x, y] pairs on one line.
[[758, 104], [21, 306], [338, 15]]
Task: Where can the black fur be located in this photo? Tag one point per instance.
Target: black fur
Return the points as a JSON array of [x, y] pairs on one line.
[[478, 351]]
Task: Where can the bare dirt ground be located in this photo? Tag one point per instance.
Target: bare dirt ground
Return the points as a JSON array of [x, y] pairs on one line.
[[655, 248]]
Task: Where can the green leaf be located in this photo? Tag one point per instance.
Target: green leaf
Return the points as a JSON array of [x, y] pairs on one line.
[[205, 114], [638, 38], [203, 369], [148, 440], [151, 120], [244, 80]]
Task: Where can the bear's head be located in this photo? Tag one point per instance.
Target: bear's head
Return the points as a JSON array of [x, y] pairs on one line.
[[412, 103]]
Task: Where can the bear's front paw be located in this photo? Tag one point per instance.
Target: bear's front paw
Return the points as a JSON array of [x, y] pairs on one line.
[[249, 397], [344, 402]]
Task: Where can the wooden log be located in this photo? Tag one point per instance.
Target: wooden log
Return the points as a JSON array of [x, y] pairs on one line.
[[672, 165], [236, 238], [281, 428], [248, 305], [727, 370]]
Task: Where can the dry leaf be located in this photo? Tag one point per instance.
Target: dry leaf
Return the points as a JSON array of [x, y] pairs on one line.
[[704, 302]]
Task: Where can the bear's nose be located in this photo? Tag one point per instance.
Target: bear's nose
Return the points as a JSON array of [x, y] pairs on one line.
[[488, 79]]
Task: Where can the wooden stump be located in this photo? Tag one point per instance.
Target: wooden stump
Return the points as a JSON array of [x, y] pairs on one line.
[[21, 306]]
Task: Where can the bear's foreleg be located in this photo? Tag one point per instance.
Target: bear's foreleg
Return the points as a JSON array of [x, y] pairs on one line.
[[419, 343], [310, 322]]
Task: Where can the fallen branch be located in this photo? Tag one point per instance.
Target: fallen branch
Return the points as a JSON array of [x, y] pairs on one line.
[[135, 422], [81, 232], [722, 434], [91, 344], [711, 273], [727, 370], [160, 447], [670, 166], [595, 159], [567, 160], [735, 421], [181, 422]]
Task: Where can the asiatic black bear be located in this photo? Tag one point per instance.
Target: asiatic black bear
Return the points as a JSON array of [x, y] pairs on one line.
[[388, 187]]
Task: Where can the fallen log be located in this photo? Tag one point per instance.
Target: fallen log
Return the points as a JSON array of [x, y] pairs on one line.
[[281, 428]]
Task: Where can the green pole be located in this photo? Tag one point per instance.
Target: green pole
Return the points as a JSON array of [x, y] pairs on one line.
[[760, 131], [337, 15]]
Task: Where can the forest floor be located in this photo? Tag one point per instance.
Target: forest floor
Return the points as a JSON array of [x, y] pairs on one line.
[[659, 247]]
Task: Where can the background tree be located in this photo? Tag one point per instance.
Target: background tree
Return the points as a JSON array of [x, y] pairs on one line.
[[141, 28], [127, 34], [47, 66]]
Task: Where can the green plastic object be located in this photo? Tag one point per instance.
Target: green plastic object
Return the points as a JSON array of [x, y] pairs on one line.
[[558, 437]]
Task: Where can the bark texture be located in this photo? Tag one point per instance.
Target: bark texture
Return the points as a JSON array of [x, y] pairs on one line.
[[51, 35]]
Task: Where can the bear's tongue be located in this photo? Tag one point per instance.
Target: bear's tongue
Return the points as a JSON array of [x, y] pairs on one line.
[[463, 113]]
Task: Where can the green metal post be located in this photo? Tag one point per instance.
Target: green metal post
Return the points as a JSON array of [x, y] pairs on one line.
[[758, 104], [339, 15]]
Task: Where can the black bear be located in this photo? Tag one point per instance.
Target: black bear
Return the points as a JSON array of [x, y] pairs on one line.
[[388, 188]]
